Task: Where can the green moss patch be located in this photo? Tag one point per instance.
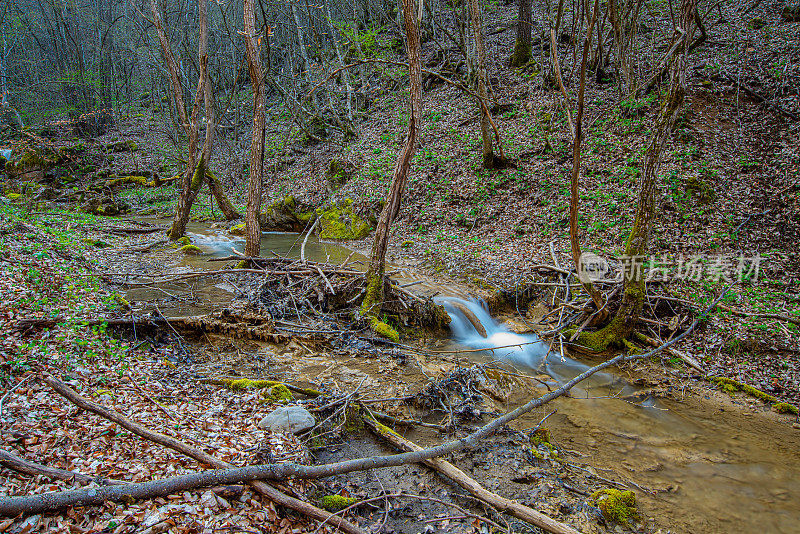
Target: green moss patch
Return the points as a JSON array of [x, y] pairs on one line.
[[384, 330], [336, 503], [239, 229], [341, 222], [785, 407], [616, 505], [278, 393], [732, 386], [191, 249]]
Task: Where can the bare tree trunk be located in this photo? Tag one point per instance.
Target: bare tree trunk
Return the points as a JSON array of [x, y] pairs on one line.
[[576, 164], [522, 47], [253, 223], [373, 299], [624, 322], [345, 74], [480, 55]]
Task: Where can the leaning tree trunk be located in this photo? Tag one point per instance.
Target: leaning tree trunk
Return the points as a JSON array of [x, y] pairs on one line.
[[253, 224], [576, 167], [227, 207], [626, 318], [522, 47], [195, 167], [373, 299], [480, 56]]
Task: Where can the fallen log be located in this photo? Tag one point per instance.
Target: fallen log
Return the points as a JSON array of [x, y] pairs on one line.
[[237, 326], [518, 510], [201, 456]]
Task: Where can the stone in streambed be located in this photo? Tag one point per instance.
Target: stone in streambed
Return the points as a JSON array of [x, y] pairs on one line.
[[292, 419]]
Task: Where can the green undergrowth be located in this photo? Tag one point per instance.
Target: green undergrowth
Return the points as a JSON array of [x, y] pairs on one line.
[[45, 263]]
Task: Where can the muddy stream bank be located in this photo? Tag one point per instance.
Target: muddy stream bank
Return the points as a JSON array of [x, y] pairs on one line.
[[698, 460]]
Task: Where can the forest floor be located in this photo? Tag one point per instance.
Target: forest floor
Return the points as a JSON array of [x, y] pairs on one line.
[[728, 197], [729, 188]]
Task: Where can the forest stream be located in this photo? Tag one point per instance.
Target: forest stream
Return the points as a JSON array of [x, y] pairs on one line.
[[697, 460]]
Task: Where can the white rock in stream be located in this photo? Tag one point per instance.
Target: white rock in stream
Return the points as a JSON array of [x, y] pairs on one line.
[[292, 419]]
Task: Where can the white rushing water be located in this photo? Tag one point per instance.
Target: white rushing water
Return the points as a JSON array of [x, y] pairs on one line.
[[525, 351]]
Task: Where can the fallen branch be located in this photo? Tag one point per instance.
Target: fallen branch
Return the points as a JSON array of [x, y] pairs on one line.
[[759, 97], [12, 506], [778, 316], [455, 474], [688, 360], [20, 465], [201, 456]]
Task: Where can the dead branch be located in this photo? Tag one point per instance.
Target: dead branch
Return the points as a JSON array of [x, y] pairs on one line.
[[688, 360], [20, 465], [201, 456], [455, 474]]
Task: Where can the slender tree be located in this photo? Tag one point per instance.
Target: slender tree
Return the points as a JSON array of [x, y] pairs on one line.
[[374, 296], [576, 163], [490, 161], [636, 246], [253, 224]]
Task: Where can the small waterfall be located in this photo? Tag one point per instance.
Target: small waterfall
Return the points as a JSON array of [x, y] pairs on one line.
[[525, 350], [521, 350]]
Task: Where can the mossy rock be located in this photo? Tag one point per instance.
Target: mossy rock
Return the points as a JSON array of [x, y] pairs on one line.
[[191, 249], [340, 221], [336, 503], [239, 229], [618, 506], [183, 241], [277, 393], [287, 215]]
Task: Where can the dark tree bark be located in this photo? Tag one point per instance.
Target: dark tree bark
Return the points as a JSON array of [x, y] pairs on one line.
[[253, 224], [626, 318], [373, 298], [522, 47]]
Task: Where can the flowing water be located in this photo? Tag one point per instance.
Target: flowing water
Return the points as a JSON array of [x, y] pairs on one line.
[[711, 465]]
